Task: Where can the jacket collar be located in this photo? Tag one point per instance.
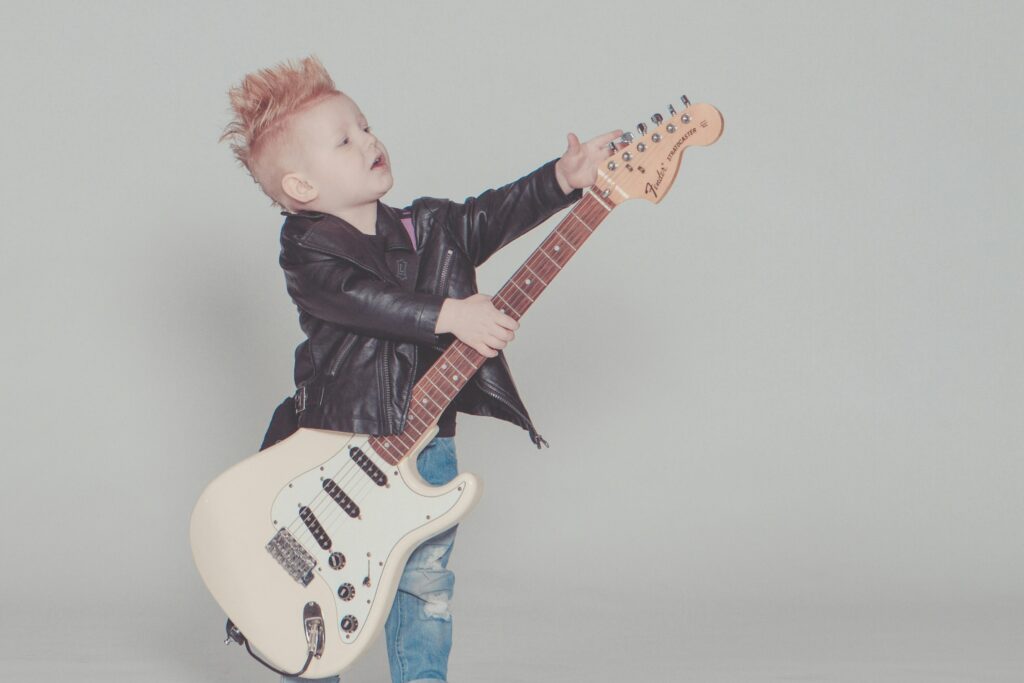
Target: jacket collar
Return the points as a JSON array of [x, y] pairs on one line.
[[329, 233]]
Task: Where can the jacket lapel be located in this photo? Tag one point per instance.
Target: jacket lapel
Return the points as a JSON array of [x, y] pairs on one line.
[[333, 235]]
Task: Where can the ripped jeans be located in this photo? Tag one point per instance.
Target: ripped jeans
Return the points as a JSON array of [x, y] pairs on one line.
[[419, 627]]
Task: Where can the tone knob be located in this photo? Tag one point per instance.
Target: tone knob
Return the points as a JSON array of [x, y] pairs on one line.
[[349, 623], [346, 591], [336, 560]]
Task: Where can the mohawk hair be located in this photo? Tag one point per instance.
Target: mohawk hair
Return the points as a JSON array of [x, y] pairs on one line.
[[262, 103]]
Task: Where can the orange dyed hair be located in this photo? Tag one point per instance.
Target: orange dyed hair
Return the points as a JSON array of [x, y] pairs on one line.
[[262, 104]]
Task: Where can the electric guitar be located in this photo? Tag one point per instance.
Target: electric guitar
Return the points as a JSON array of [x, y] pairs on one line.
[[303, 543]]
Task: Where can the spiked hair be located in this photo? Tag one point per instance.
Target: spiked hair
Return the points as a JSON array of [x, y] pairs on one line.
[[262, 104]]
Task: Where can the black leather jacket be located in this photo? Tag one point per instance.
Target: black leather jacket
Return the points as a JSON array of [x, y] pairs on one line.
[[369, 317]]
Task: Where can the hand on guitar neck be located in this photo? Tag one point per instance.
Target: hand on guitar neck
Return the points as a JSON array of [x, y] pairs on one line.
[[476, 322], [577, 168]]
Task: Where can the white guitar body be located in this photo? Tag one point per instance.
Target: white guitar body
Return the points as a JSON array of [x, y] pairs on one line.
[[350, 508]]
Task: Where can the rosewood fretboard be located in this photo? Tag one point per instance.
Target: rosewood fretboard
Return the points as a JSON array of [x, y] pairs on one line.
[[446, 377]]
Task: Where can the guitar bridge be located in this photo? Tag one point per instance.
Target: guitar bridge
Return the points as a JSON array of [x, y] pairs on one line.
[[292, 557]]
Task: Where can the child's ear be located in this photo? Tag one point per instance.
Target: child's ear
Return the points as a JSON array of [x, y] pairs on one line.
[[298, 188]]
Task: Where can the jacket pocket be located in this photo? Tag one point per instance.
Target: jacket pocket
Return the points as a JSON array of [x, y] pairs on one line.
[[344, 351]]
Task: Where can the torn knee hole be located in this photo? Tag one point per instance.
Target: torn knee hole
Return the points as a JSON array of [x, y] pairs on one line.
[[436, 605]]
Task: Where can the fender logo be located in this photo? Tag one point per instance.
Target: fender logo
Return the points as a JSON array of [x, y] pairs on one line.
[[652, 187]]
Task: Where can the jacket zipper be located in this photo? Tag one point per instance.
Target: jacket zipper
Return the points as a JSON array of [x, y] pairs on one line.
[[515, 410], [444, 272], [387, 389]]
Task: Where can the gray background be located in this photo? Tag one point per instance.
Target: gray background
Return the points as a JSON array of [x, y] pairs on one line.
[[784, 405]]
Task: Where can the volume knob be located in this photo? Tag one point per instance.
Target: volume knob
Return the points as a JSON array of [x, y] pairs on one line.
[[349, 623], [346, 591]]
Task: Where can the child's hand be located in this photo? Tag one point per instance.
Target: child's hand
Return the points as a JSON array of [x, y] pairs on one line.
[[578, 166], [475, 321]]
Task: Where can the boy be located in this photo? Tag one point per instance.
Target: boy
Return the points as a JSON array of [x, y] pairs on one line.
[[381, 292]]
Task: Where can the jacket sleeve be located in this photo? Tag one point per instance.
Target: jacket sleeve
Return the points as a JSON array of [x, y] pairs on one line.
[[486, 223], [334, 290]]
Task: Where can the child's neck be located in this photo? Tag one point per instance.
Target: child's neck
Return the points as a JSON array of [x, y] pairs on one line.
[[362, 217]]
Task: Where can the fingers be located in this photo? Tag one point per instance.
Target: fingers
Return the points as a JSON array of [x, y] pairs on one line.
[[484, 350], [508, 322], [603, 140], [493, 341]]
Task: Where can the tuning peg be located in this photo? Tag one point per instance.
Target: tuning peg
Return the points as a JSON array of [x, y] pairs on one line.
[[626, 137], [656, 118], [642, 128], [671, 110], [685, 101], [611, 147]]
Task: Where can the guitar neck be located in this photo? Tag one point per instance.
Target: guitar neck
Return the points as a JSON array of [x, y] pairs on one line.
[[446, 377]]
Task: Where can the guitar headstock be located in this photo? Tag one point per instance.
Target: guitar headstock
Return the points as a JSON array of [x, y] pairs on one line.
[[648, 165]]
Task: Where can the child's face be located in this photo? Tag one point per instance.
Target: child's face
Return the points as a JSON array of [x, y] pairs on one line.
[[337, 158]]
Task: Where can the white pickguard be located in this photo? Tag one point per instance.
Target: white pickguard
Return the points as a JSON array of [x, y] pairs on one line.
[[386, 514]]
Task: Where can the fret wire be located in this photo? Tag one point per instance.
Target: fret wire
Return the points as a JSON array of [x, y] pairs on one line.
[[454, 385], [443, 392], [513, 298], [589, 229], [441, 387], [454, 364], [440, 398], [534, 273], [560, 234], [414, 411], [550, 258], [516, 285], [472, 362], [578, 233], [532, 290], [547, 270], [468, 359], [505, 304], [425, 394]]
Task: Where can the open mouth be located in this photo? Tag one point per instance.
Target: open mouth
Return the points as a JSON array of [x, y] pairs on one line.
[[378, 162]]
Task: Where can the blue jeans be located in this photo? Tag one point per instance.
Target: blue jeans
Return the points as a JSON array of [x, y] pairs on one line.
[[419, 627]]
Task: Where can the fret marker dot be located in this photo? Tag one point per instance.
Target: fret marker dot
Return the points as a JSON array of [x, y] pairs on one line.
[[444, 366], [423, 401], [455, 378], [558, 248], [528, 280]]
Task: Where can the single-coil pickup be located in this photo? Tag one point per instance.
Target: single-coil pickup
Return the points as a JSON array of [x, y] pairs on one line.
[[366, 465], [341, 498], [313, 524]]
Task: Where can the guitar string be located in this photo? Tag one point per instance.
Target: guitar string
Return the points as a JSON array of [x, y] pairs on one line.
[[321, 503]]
